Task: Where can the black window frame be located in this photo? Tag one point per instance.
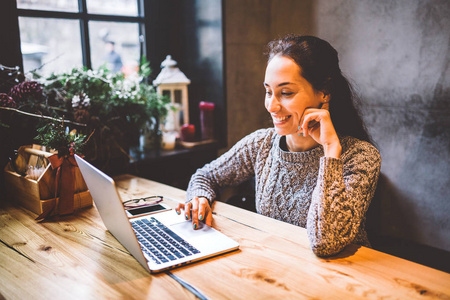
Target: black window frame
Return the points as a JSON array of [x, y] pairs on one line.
[[84, 17]]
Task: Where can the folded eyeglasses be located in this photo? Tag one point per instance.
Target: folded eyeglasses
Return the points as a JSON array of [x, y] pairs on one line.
[[140, 202]]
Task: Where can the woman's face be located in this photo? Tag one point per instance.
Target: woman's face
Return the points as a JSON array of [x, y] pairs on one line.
[[288, 94]]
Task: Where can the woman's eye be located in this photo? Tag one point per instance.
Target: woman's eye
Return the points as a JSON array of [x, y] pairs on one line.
[[268, 93], [287, 93]]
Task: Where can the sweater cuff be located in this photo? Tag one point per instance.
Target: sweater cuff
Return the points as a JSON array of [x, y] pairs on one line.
[[199, 193]]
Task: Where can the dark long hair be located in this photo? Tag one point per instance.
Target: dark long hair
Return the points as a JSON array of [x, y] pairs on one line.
[[319, 63]]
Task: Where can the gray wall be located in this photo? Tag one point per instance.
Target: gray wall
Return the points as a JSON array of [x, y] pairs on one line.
[[397, 55]]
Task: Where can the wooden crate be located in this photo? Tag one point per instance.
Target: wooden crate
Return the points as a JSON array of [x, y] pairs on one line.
[[35, 195]]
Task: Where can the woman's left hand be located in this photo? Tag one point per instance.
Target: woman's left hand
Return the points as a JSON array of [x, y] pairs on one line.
[[316, 122]]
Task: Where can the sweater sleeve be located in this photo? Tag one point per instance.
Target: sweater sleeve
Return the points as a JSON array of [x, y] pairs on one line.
[[233, 167], [341, 198]]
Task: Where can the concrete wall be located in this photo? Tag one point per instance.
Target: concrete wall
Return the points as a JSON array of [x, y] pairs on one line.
[[397, 54]]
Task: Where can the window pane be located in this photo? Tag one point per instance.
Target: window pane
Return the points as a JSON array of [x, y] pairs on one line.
[[113, 7], [115, 44], [54, 44], [55, 5]]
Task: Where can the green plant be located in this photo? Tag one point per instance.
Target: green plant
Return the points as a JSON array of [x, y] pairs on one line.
[[57, 136], [111, 96], [114, 109]]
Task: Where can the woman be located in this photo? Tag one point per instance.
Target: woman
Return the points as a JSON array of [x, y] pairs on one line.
[[317, 167]]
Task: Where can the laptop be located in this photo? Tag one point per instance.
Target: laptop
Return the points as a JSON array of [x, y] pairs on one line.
[[158, 241]]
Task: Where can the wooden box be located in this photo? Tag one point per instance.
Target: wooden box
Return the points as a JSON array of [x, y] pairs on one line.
[[37, 194]]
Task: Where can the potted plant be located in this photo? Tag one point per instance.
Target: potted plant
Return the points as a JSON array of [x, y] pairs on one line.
[[112, 109]]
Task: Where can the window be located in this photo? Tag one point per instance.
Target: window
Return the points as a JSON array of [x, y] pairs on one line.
[[57, 35]]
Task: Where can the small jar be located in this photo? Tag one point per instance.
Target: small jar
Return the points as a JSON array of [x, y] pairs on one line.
[[207, 120], [168, 140]]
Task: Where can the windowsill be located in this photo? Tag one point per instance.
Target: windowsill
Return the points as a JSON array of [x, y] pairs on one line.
[[139, 154]]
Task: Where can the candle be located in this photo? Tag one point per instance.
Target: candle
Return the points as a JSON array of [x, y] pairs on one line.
[[207, 120]]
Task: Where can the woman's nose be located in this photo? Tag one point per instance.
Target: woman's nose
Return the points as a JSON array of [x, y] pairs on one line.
[[273, 105]]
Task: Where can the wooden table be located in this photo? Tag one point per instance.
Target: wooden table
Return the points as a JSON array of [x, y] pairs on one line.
[[74, 257]]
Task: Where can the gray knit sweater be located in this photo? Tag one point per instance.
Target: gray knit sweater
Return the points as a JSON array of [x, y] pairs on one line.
[[328, 196]]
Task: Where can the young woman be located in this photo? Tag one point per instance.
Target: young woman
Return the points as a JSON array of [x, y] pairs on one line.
[[316, 168]]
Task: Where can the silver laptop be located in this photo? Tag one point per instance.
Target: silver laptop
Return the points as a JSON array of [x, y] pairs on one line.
[[159, 241]]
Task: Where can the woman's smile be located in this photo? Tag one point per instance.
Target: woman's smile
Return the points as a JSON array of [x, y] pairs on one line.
[[279, 120]]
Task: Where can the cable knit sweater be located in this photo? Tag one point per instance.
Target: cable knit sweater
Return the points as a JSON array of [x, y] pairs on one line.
[[328, 196]]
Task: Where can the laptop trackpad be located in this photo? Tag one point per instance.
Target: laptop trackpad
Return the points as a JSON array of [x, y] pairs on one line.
[[185, 230]]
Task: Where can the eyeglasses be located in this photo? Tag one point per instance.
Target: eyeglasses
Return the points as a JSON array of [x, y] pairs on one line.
[[140, 202]]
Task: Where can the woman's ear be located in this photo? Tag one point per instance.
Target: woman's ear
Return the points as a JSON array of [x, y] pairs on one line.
[[325, 97]]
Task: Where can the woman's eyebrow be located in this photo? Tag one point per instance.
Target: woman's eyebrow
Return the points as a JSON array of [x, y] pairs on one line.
[[281, 84]]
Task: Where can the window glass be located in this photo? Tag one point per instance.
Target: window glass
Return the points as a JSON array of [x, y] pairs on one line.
[[177, 96], [116, 45], [55, 5], [113, 7], [53, 45]]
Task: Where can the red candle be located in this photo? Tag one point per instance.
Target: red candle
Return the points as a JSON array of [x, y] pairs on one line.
[[188, 132], [207, 119]]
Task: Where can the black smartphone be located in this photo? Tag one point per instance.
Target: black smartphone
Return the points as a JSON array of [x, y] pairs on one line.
[[146, 210]]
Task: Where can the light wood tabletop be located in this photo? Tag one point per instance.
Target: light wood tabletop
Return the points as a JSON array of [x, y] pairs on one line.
[[75, 257]]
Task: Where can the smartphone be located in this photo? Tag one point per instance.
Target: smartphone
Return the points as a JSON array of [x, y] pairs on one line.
[[146, 210]]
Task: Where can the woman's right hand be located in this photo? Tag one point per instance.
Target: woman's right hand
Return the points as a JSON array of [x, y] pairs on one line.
[[198, 209]]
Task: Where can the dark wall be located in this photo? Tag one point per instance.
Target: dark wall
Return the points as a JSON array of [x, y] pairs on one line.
[[10, 45], [249, 26], [10, 57], [192, 32]]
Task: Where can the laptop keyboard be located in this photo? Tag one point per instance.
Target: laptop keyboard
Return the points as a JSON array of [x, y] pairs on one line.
[[159, 242]]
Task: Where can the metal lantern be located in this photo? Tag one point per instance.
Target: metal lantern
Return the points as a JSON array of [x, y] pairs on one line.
[[173, 83]]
